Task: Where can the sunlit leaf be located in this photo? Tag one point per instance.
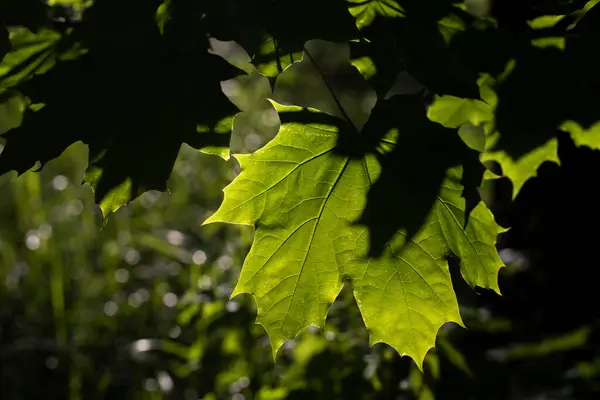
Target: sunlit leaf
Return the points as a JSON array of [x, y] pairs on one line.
[[303, 200]]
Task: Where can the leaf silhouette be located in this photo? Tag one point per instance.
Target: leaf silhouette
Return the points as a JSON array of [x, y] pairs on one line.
[[274, 32], [134, 97]]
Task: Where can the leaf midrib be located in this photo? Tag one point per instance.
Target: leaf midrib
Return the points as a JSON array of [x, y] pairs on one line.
[[312, 238]]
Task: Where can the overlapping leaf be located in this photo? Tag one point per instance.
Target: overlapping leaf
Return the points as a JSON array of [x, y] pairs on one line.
[[326, 80], [418, 164], [258, 122], [418, 41], [274, 32]]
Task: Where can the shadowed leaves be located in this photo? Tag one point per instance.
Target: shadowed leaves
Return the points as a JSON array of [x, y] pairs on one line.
[[325, 80], [272, 32], [28, 13], [417, 36], [413, 171], [134, 98], [547, 89], [34, 54]]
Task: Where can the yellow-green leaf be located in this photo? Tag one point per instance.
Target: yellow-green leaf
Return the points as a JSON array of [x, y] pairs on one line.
[[303, 199]]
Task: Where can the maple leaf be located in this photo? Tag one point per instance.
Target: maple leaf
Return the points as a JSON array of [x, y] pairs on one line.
[[454, 112], [271, 61], [304, 198], [325, 79], [366, 12]]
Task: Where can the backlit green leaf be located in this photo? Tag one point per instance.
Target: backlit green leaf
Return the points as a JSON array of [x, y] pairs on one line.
[[303, 199], [584, 137], [524, 168], [453, 112]]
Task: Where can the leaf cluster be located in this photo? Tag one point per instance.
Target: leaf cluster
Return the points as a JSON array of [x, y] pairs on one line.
[[378, 192]]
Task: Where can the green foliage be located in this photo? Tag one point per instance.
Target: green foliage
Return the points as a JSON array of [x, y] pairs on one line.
[[383, 203]]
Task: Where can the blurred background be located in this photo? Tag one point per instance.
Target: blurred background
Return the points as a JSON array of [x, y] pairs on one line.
[[139, 309]]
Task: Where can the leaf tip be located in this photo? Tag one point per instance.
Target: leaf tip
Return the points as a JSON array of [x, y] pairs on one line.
[[515, 191], [222, 152], [237, 291], [496, 286], [420, 360], [276, 341], [282, 107], [210, 220], [275, 350], [459, 321], [419, 364]]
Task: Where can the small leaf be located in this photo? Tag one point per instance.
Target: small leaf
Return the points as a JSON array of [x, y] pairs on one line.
[[584, 137], [525, 167], [11, 111], [453, 112], [473, 136], [326, 80], [271, 61]]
